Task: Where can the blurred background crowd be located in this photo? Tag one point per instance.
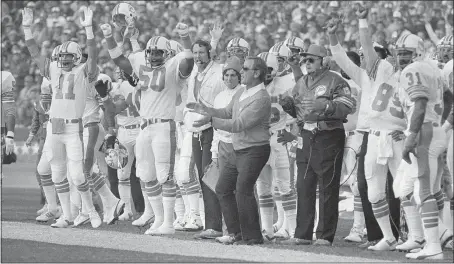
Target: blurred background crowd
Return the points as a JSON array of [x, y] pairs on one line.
[[260, 23]]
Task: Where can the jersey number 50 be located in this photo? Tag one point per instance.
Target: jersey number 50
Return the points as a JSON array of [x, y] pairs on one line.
[[381, 101], [152, 78]]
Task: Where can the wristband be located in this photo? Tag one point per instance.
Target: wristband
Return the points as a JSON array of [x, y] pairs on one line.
[[214, 43], [115, 52], [28, 33], [362, 23], [105, 98], [10, 134], [89, 31]]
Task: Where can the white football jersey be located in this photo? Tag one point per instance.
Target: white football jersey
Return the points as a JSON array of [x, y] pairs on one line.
[[352, 119], [69, 90], [46, 86], [447, 75], [279, 85], [124, 91], [159, 87], [386, 108], [422, 79], [8, 93]]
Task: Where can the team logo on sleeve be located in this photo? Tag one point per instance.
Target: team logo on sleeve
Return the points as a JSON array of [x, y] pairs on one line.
[[320, 90]]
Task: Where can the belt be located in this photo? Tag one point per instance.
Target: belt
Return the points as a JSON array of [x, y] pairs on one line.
[[91, 124], [68, 121], [131, 126], [146, 122]]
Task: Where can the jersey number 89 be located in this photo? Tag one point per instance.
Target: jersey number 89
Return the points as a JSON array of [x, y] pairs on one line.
[[381, 101]]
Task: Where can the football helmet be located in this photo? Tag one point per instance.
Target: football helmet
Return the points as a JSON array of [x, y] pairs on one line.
[[445, 49], [69, 48], [123, 15], [271, 62], [117, 156], [54, 55], [409, 48], [175, 48], [238, 47], [280, 50], [160, 44], [295, 44]]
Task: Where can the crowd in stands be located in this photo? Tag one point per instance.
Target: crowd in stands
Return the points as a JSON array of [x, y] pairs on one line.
[[262, 24]]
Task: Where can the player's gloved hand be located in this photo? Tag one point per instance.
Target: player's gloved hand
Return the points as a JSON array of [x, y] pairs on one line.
[[106, 30], [216, 32], [285, 137], [131, 79], [88, 16], [182, 30], [397, 135], [29, 140], [27, 17], [131, 32], [102, 87], [9, 142], [411, 142], [201, 122], [361, 12]]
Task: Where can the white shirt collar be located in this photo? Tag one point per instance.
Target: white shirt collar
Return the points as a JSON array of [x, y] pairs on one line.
[[251, 91]]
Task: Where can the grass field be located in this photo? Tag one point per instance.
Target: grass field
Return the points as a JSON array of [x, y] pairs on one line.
[[24, 240]]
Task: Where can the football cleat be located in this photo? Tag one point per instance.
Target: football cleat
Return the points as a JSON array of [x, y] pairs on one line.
[[179, 224], [61, 223], [95, 220], [194, 223], [113, 212], [125, 216], [81, 219], [410, 245], [143, 221], [355, 235], [45, 217], [42, 210], [160, 231], [425, 254], [384, 245]]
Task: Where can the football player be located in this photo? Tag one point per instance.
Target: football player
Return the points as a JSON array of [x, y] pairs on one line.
[[296, 46], [8, 121], [276, 172], [158, 77], [69, 80], [421, 92], [384, 147], [238, 47]]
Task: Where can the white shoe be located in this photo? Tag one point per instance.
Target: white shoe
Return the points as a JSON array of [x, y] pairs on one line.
[[42, 210], [95, 219], [194, 223], [445, 238], [125, 216], [424, 254], [81, 219], [267, 239], [410, 245], [61, 223], [113, 212], [356, 235], [282, 234], [143, 221], [384, 245], [178, 224], [449, 245], [48, 215], [162, 230]]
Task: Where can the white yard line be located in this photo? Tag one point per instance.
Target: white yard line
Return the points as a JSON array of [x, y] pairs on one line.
[[162, 245]]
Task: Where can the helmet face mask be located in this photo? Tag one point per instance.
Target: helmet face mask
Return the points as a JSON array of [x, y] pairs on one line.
[[155, 58], [444, 53], [69, 55], [123, 15], [404, 57], [65, 61]]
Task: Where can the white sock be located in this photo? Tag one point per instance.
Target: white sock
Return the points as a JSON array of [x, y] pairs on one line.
[[125, 194], [266, 215], [65, 202], [179, 208], [168, 209], [194, 203], [158, 209], [51, 197], [148, 211], [107, 197], [280, 214], [187, 205], [202, 209], [415, 230]]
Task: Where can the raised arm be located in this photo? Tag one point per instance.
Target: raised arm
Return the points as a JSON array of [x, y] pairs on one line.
[[365, 38], [187, 64], [42, 61], [92, 59], [216, 34], [115, 51], [339, 54]]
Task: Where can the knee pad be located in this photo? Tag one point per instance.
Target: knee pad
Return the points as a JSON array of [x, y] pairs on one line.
[[43, 167], [375, 196], [264, 188], [76, 172]]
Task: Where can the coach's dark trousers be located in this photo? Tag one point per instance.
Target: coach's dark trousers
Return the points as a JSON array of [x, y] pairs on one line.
[[201, 151], [320, 160], [235, 189], [373, 229]]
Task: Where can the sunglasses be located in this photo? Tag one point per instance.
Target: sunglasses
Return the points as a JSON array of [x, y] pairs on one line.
[[248, 69], [310, 60]]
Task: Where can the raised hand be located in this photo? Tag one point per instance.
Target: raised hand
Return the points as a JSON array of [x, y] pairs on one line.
[[332, 25], [131, 32], [106, 30], [27, 17], [182, 29], [88, 16], [361, 12], [216, 32]]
